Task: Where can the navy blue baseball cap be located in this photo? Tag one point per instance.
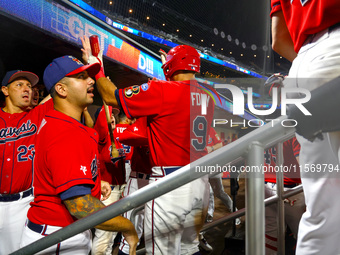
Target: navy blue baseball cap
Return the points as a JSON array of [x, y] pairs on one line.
[[13, 75], [66, 66]]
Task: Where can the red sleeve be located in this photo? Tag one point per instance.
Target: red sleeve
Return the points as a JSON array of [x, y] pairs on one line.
[[143, 100], [136, 134], [42, 109], [276, 6], [101, 125]]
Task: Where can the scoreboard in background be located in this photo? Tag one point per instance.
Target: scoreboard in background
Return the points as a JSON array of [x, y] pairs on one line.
[[70, 26]]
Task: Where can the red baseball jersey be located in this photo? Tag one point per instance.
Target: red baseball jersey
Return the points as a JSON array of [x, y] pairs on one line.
[[177, 129], [291, 150], [136, 135], [128, 150], [66, 156], [17, 145], [307, 17], [213, 137], [112, 170]]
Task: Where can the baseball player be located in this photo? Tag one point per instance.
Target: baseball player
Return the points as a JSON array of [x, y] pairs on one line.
[[216, 187], [214, 143], [18, 129], [135, 135], [308, 33], [123, 123], [66, 177], [113, 171], [295, 205], [171, 226]]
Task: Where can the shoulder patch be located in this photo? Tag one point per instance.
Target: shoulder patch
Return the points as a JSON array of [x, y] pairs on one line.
[[130, 91], [145, 87]]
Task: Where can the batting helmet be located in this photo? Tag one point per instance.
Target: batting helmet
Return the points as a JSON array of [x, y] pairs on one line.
[[182, 57]]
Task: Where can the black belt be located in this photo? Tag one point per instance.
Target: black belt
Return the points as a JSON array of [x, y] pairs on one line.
[[35, 227], [334, 26], [139, 175], [16, 196]]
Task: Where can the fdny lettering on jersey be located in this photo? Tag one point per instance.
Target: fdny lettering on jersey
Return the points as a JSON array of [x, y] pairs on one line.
[[13, 133], [196, 98]]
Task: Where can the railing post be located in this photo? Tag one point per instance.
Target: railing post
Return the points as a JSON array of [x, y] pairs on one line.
[[280, 202], [255, 200]]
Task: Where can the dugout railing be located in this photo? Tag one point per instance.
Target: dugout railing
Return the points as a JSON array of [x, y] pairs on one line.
[[250, 146], [268, 201]]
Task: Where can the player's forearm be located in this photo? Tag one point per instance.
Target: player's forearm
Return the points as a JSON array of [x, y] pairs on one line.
[[107, 91], [83, 206], [281, 40], [217, 146], [88, 119]]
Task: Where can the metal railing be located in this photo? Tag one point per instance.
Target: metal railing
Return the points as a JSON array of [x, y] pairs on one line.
[[252, 144]]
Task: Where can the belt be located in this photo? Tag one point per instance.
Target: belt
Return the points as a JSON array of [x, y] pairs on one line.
[[41, 229], [139, 175], [285, 185], [16, 196], [161, 171], [334, 26]]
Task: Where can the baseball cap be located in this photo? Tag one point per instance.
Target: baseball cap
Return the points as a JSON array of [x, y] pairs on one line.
[[115, 111], [66, 66], [12, 75]]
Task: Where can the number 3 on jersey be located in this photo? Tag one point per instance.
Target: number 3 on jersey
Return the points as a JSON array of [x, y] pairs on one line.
[[199, 129], [25, 153]]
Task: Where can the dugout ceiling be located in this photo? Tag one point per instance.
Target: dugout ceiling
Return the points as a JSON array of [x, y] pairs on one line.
[[26, 48]]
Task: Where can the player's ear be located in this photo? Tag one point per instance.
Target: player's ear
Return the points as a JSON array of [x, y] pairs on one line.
[[61, 89], [4, 90]]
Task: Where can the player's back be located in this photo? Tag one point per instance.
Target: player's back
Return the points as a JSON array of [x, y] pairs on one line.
[[179, 131]]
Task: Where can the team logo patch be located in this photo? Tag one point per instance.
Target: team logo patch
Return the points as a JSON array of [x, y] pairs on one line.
[[145, 87], [76, 60], [94, 168], [130, 91]]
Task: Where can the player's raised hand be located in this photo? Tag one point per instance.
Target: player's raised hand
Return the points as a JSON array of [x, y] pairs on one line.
[[163, 56], [87, 52], [105, 190]]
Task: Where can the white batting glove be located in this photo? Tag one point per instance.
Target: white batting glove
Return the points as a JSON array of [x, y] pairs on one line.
[[99, 59]]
